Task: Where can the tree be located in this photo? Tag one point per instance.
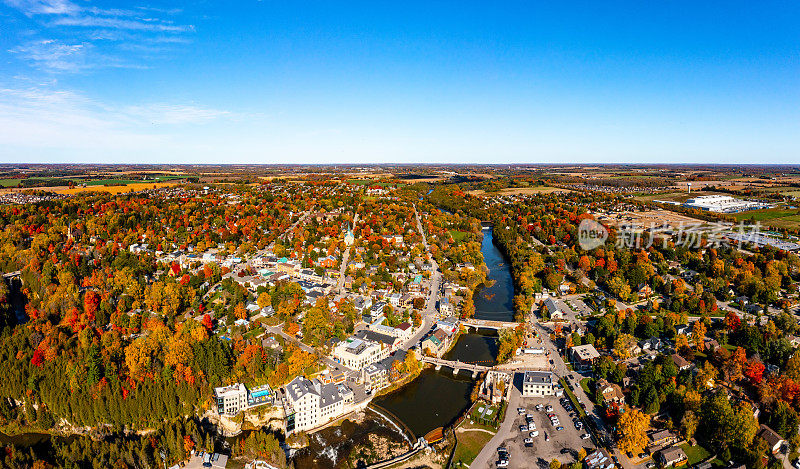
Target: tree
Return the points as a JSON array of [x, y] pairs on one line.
[[689, 424], [699, 335], [632, 429], [264, 300], [555, 464], [412, 364]]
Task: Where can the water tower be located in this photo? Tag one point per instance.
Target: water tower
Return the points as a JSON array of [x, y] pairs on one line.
[[689, 188]]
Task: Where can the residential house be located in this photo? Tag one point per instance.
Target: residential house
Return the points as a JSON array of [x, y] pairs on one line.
[[773, 439], [672, 457], [611, 392], [680, 362]]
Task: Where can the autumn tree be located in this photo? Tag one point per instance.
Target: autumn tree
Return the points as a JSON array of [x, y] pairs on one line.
[[632, 429]]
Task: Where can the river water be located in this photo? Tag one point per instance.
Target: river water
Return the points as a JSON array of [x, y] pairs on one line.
[[496, 301]]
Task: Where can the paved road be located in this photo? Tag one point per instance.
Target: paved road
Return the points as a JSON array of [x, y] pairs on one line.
[[488, 454], [345, 260]]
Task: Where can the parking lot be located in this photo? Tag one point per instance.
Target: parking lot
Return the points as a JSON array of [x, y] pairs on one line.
[[562, 445]]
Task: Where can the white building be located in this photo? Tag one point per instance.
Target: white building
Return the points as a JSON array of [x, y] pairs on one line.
[[723, 204], [310, 404], [356, 353], [231, 399], [538, 384]]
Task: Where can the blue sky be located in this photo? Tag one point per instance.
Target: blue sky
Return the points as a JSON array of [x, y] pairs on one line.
[[375, 82]]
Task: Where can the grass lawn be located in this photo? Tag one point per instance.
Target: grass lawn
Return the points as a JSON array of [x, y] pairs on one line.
[[585, 386], [695, 453], [470, 443], [766, 214], [572, 397], [9, 182], [458, 236]]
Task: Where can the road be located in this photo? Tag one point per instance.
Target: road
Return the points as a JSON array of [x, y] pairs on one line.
[[345, 260]]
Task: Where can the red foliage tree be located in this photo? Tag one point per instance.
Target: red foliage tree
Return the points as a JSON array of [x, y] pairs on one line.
[[755, 372], [38, 358]]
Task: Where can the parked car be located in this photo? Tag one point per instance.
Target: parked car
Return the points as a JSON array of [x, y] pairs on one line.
[[520, 410], [528, 440], [559, 428], [585, 436], [534, 434], [502, 463], [523, 428]]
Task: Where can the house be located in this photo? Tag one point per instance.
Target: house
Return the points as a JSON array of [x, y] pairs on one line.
[[611, 392], [680, 362], [672, 457], [449, 325], [385, 340], [445, 307], [553, 311], [773, 439], [661, 438], [583, 356], [538, 384]]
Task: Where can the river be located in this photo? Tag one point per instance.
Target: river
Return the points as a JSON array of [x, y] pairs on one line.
[[496, 301]]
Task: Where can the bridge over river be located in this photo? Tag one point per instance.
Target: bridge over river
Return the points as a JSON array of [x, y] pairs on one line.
[[456, 365]]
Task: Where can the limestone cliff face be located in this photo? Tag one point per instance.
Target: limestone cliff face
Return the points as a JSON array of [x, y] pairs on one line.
[[270, 417]]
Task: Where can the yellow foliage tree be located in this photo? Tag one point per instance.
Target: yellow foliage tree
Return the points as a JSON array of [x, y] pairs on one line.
[[632, 431]]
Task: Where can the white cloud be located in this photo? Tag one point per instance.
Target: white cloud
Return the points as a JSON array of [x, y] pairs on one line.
[[172, 114], [45, 118], [44, 7], [99, 37]]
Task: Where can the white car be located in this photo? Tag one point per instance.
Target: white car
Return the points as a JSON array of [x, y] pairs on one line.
[[502, 463], [528, 440], [534, 434], [531, 426], [585, 436]]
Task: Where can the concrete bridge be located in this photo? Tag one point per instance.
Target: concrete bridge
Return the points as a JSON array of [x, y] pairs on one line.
[[456, 365], [486, 324]]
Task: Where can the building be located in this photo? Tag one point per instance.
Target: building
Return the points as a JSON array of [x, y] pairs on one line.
[[612, 393], [553, 311], [375, 377], [445, 307], [723, 204], [309, 404], [202, 460], [231, 399], [773, 439], [583, 356], [598, 460], [538, 384], [661, 438], [349, 238], [356, 353], [672, 457], [680, 362]]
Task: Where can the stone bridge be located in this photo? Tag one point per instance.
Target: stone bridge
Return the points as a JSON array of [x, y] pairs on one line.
[[485, 324], [456, 365]]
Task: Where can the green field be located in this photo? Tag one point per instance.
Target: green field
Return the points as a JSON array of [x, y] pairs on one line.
[[470, 443], [458, 236], [9, 182], [696, 453], [368, 182], [766, 214]]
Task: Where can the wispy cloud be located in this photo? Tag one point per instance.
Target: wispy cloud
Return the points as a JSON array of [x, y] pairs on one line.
[[99, 37], [43, 117]]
